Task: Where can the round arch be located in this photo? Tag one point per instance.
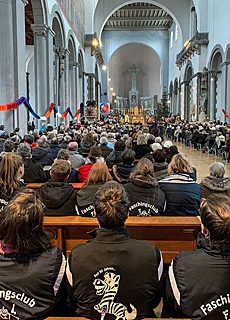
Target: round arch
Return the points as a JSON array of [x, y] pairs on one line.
[[217, 50], [179, 12], [228, 52], [40, 11], [81, 78], [189, 71]]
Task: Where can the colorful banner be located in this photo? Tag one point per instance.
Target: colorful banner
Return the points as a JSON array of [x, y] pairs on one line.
[[17, 103], [226, 115], [90, 111], [105, 108]]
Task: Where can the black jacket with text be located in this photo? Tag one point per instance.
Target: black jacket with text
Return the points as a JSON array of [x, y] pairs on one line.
[[113, 275], [198, 284]]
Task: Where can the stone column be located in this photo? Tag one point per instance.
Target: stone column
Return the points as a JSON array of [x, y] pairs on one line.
[[40, 64], [212, 96], [12, 62], [72, 87], [198, 85], [50, 71], [228, 89], [90, 86]]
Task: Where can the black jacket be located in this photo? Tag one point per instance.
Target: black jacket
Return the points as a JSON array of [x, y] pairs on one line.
[[141, 150], [59, 198], [33, 172], [31, 290], [198, 284], [105, 150], [160, 170], [42, 156], [146, 199], [85, 200], [112, 267]]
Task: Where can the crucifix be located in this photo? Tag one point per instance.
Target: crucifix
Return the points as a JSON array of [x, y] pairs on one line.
[[134, 71]]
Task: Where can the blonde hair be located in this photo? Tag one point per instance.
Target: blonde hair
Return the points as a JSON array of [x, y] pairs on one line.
[[8, 174], [179, 163], [141, 139], [143, 170], [98, 173]]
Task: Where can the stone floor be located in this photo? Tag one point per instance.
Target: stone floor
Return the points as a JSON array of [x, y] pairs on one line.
[[201, 161]]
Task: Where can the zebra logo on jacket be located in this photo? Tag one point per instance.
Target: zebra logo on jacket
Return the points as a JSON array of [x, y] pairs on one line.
[[108, 288]]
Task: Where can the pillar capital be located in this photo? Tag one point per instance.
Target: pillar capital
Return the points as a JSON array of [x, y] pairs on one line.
[[73, 64], [25, 2], [39, 29]]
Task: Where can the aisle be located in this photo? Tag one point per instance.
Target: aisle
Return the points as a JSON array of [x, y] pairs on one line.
[[201, 161]]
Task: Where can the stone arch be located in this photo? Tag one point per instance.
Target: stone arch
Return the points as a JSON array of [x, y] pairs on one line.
[[96, 83], [81, 75], [57, 27], [189, 71], [40, 11], [215, 82], [228, 52], [179, 12], [175, 96]]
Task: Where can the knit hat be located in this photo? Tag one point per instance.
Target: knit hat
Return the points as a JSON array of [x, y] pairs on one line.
[[167, 144]]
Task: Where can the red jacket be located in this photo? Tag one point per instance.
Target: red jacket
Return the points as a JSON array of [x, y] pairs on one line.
[[84, 171]]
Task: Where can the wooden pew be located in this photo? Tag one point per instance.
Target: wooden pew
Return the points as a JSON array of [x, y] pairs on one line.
[[81, 318], [170, 234], [36, 185]]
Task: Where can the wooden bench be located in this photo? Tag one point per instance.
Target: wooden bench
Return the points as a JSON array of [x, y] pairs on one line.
[[81, 318], [36, 185], [170, 234]]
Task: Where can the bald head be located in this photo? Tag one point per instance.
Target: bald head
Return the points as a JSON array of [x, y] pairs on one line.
[[73, 146]]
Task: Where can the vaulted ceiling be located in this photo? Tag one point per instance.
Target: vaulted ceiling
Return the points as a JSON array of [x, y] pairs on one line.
[[29, 20], [139, 16]]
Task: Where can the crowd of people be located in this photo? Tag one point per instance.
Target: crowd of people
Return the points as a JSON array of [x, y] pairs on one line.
[[123, 170]]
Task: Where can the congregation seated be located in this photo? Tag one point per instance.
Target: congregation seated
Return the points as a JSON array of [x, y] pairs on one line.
[[63, 154], [142, 148], [75, 158], [170, 153], [160, 164], [182, 193], [198, 283], [57, 194], [122, 171], [112, 264], [98, 175], [54, 147], [31, 269], [84, 170], [115, 156], [65, 143], [33, 172], [11, 173], [216, 182], [146, 198], [41, 155]]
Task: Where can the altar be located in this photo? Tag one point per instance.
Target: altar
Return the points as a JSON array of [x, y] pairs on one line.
[[136, 116]]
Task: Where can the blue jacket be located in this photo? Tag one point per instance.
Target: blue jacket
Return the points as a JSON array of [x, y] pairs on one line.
[[53, 150], [182, 195]]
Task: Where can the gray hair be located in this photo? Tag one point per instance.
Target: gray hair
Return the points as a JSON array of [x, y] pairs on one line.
[[103, 140], [217, 169], [24, 150], [125, 137], [141, 139]]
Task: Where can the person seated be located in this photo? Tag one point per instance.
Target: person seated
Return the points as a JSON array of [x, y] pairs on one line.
[[182, 193], [31, 269], [98, 175], [121, 171], [96, 153], [146, 198], [114, 266], [198, 282], [64, 144], [104, 147], [115, 156], [54, 147], [11, 173], [142, 148], [33, 172], [170, 153], [41, 155], [8, 146], [216, 182], [160, 165], [75, 158], [63, 154], [58, 195], [84, 170], [87, 142], [195, 138]]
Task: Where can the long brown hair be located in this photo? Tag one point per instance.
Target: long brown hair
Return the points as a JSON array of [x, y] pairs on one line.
[[8, 174], [144, 170], [21, 225], [98, 173]]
